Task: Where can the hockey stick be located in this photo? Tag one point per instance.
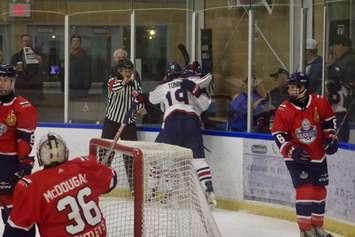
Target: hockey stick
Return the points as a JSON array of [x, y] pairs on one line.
[[344, 118], [184, 53], [137, 100]]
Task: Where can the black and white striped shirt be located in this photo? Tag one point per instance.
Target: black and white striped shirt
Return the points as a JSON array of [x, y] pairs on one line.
[[120, 99]]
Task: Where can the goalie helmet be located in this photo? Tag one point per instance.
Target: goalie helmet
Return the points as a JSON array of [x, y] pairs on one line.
[[52, 150], [8, 72]]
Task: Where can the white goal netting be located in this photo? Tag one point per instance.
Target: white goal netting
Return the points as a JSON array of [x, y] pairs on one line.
[[157, 194]]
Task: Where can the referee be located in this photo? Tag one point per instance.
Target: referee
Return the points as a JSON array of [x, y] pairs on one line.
[[119, 100]]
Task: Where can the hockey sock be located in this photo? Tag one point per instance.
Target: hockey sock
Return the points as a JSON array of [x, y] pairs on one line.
[[318, 206], [203, 173], [304, 204]]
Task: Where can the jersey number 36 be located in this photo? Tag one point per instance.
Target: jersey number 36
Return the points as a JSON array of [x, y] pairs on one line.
[[77, 205]]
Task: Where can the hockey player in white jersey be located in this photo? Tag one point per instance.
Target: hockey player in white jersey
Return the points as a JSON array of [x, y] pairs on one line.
[[183, 101]]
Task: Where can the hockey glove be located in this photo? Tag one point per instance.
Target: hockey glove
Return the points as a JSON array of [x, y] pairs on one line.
[[192, 87], [331, 145], [299, 155], [24, 167], [111, 83]]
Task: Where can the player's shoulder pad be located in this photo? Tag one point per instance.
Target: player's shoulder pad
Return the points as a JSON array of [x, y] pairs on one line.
[[283, 106], [22, 102], [318, 98], [25, 181]]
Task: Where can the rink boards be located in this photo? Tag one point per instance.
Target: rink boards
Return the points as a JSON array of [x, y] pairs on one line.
[[249, 173]]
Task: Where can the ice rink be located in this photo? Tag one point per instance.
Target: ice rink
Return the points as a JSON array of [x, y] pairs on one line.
[[234, 224], [243, 224]]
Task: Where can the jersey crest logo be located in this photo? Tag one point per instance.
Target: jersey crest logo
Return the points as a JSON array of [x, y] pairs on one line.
[[307, 132], [10, 120], [316, 115]]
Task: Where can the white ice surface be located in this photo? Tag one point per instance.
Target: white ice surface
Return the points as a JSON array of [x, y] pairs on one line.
[[243, 224]]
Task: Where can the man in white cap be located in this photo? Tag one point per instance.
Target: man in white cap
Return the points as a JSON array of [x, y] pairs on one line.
[[313, 66]]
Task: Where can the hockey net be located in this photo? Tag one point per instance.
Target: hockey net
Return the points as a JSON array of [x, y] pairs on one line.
[[157, 194]]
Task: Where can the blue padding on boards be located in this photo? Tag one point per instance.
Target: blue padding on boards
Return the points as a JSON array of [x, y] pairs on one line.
[[346, 146]]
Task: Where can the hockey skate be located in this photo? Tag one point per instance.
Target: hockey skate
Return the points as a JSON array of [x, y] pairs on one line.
[[308, 233], [322, 233], [211, 199]]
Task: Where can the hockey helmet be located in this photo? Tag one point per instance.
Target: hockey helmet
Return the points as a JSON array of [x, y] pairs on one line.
[[9, 72], [298, 78], [192, 69], [298, 93], [125, 63], [173, 69], [52, 150]]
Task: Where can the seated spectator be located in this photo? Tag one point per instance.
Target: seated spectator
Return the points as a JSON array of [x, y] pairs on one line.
[[279, 93], [261, 110]]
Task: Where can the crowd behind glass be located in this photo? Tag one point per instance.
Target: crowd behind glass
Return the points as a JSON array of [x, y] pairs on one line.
[[41, 79]]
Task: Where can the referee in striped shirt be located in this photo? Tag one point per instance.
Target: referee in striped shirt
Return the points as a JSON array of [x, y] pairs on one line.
[[119, 100]]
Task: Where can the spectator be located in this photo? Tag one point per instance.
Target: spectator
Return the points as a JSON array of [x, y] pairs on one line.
[[119, 55], [80, 69], [336, 96], [261, 107], [28, 65], [279, 94], [342, 68], [313, 66]]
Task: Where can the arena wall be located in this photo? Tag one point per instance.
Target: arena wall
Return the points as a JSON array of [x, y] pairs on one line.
[[249, 173]]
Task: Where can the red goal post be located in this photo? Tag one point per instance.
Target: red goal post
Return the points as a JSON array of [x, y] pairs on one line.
[[158, 193]]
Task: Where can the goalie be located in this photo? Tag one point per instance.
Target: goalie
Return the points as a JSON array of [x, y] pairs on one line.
[[184, 100], [62, 199]]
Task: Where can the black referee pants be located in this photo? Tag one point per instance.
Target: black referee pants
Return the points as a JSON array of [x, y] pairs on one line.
[[129, 133], [110, 129]]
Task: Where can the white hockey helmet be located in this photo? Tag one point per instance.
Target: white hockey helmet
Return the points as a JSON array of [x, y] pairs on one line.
[[52, 150]]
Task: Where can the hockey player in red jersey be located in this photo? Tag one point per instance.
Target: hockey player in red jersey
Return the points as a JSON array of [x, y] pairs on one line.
[[304, 130], [18, 119], [63, 198]]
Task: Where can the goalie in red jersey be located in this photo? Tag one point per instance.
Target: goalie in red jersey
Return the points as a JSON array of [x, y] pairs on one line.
[[304, 130], [63, 198], [18, 120]]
